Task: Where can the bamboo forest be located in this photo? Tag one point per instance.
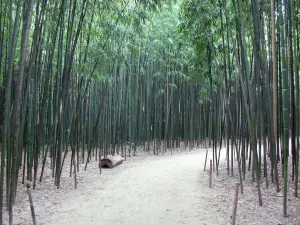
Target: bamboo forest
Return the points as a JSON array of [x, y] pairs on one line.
[[194, 103]]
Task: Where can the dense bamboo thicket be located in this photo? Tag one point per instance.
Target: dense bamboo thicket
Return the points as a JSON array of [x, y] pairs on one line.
[[253, 48], [79, 76], [88, 78]]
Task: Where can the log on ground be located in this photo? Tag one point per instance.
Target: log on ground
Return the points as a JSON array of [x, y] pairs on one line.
[[111, 161]]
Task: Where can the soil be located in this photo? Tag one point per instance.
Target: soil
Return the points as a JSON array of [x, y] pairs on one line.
[[145, 189]]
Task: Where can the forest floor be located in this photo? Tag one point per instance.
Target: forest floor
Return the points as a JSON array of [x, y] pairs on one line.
[[152, 190]]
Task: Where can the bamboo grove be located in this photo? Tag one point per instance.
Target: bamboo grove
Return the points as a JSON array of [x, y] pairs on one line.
[[87, 78], [253, 48]]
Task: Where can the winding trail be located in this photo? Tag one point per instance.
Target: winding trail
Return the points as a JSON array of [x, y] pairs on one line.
[[153, 190]]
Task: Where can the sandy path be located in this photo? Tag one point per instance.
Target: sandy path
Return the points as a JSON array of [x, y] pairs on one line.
[[153, 190]]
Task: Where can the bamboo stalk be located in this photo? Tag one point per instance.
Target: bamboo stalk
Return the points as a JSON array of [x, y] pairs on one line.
[[210, 173], [205, 160], [31, 205], [235, 201]]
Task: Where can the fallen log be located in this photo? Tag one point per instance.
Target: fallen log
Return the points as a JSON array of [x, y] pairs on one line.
[[111, 161]]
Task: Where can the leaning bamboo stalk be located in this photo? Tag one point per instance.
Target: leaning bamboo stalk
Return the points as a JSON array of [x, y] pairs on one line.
[[205, 159], [31, 205], [235, 200]]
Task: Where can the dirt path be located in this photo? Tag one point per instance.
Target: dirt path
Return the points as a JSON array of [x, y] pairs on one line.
[[154, 190]]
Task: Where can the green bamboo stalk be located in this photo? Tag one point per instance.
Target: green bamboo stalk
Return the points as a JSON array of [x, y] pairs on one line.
[[285, 112]]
